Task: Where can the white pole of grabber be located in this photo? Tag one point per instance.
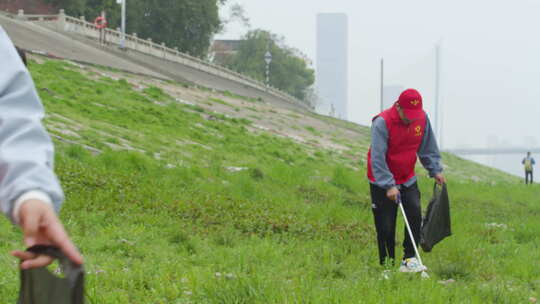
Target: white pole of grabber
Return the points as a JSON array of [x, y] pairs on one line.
[[411, 236], [123, 43], [424, 274]]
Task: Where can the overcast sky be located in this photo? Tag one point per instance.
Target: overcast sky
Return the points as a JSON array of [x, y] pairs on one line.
[[490, 58]]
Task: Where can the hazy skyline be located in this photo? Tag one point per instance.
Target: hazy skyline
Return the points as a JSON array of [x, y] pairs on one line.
[[489, 57], [332, 64]]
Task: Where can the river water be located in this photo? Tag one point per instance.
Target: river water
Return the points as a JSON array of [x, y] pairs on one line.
[[510, 163]]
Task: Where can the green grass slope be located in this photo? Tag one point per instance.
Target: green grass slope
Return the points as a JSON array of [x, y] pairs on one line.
[[179, 194]]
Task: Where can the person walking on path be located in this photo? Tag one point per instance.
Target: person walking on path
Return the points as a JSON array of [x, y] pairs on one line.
[[30, 194], [528, 163], [399, 135]]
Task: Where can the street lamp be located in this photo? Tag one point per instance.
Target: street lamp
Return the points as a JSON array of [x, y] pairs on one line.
[[123, 40], [268, 59]]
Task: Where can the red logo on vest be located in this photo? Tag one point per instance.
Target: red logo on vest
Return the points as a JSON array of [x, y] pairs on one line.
[[403, 140], [418, 131]]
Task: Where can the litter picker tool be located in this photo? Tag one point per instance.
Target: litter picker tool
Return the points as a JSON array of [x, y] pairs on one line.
[[424, 274]]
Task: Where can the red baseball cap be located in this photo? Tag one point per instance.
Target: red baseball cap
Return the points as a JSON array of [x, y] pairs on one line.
[[410, 102]]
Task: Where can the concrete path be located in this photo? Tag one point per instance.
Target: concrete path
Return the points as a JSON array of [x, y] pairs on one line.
[[36, 37], [31, 36]]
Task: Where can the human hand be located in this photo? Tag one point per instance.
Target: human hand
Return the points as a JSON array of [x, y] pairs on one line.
[[439, 178], [392, 194], [41, 226]]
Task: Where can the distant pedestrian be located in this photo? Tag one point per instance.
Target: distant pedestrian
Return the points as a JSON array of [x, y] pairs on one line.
[[528, 163], [398, 136]]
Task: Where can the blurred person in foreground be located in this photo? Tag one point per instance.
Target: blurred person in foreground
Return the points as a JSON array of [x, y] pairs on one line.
[[30, 194], [399, 135]]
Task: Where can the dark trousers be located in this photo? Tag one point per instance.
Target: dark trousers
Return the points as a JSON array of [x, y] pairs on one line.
[[527, 174], [385, 213]]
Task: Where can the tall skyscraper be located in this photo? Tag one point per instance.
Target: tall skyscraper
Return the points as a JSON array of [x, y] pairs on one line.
[[332, 64]]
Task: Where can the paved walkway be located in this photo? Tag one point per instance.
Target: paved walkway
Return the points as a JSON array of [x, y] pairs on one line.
[[35, 37]]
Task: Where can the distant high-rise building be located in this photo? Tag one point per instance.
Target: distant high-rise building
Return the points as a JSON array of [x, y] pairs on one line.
[[332, 64]]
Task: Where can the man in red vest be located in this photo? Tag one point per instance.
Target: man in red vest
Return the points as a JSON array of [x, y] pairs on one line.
[[398, 135]]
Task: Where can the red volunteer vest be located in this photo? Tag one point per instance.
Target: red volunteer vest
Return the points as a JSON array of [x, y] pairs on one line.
[[403, 144]]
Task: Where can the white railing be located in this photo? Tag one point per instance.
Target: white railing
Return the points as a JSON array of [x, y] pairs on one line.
[[80, 26]]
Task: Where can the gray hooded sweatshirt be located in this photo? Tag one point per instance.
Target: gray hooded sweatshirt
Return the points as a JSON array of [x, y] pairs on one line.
[[26, 150], [428, 153]]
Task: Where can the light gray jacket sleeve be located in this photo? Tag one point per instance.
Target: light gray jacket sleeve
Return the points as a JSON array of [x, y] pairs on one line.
[[429, 154], [26, 150], [379, 145]]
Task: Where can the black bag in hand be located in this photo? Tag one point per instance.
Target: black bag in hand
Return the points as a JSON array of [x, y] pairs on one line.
[[39, 286], [436, 223]]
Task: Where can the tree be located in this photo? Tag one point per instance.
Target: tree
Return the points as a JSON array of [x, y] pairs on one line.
[[238, 13], [186, 24], [312, 99], [74, 7], [289, 70]]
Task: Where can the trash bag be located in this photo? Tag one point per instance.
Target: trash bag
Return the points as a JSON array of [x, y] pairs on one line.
[[436, 222], [39, 286]]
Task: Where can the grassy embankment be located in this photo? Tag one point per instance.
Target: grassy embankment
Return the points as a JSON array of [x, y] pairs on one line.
[[173, 221]]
